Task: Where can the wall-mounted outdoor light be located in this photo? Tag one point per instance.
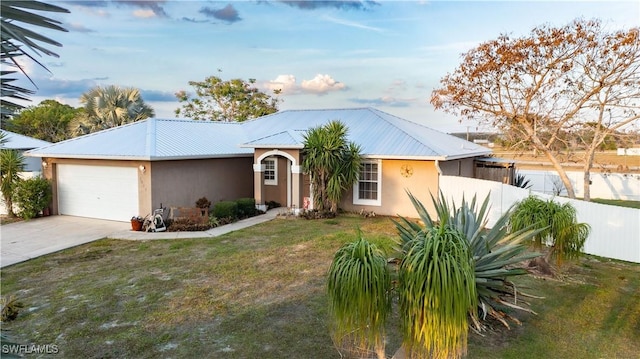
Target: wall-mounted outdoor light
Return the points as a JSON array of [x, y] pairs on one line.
[[142, 168]]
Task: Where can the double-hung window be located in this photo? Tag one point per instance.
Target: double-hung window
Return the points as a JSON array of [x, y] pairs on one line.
[[367, 191], [271, 171]]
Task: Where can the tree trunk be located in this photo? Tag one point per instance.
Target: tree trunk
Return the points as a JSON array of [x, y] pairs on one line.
[[562, 173], [587, 184]]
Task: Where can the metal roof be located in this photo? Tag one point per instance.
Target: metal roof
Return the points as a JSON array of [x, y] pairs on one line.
[[379, 134], [16, 141], [154, 139]]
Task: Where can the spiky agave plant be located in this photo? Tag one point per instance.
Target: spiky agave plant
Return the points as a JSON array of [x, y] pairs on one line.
[[436, 293], [496, 252], [358, 288]]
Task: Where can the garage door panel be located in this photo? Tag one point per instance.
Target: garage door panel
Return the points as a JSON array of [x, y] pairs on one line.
[[105, 192]]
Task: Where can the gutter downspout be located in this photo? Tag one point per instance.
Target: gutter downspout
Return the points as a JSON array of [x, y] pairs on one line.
[[437, 164]]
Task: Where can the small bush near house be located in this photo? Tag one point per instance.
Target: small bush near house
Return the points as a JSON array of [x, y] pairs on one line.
[[184, 224], [203, 203], [246, 207], [272, 205], [225, 209], [315, 214], [214, 221], [32, 196]]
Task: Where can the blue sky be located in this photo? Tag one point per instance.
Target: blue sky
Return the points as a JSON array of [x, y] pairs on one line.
[[323, 54]]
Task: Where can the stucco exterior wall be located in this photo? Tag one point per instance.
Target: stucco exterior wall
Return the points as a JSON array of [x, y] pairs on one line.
[[182, 183], [395, 200]]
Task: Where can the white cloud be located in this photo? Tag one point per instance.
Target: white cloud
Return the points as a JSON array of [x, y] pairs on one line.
[[322, 84], [144, 13], [285, 83]]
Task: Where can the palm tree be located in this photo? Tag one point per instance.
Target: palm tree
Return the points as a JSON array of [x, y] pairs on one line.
[[358, 288], [11, 164], [558, 226], [332, 162], [437, 292], [18, 40], [111, 106]]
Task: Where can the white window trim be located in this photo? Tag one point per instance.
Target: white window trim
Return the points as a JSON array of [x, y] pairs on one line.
[[356, 191], [274, 181]]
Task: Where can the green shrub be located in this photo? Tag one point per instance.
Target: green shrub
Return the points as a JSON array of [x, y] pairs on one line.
[[246, 207], [225, 209], [32, 196], [272, 205]]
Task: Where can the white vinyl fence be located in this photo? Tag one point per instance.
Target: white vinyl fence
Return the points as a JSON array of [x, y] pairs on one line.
[[603, 185], [615, 231]]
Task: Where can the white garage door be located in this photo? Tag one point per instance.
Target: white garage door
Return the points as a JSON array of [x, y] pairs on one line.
[[104, 192]]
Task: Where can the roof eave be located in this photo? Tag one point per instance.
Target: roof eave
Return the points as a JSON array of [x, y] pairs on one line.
[[291, 147], [425, 158], [142, 158]]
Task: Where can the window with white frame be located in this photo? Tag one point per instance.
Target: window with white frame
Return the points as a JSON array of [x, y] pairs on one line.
[[271, 171], [367, 191]]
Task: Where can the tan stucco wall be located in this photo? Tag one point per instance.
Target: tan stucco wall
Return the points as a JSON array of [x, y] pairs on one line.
[[182, 183], [144, 179], [395, 200]]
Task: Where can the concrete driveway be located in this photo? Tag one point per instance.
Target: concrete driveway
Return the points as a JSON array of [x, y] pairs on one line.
[[22, 241]]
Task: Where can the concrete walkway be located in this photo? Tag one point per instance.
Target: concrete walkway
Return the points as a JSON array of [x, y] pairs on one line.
[[25, 240], [214, 232]]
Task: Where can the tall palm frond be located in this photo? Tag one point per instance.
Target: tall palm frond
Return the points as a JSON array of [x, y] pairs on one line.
[[111, 106], [359, 297], [437, 292], [333, 163], [558, 224], [18, 40]]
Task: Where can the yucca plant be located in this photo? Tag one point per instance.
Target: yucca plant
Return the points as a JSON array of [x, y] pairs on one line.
[[558, 227], [521, 181], [497, 253], [437, 292], [358, 287]]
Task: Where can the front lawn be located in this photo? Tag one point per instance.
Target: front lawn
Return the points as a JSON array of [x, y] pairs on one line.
[[259, 293]]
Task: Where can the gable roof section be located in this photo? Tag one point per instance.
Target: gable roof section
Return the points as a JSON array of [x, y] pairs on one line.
[[154, 139], [16, 141], [379, 134]]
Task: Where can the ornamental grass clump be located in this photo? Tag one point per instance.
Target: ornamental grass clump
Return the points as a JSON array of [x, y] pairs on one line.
[[437, 293], [358, 288]]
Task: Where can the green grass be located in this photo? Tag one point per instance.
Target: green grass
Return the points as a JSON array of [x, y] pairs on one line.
[[617, 202], [260, 293]]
